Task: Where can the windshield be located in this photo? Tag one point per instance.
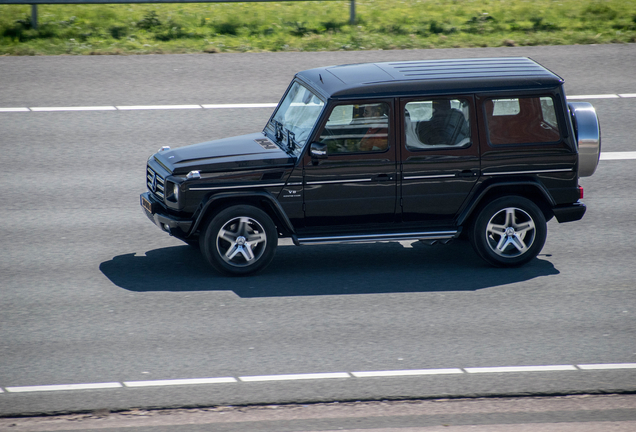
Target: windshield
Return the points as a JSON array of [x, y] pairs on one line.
[[297, 114]]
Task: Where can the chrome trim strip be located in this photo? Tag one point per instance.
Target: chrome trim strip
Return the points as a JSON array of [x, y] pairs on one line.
[[295, 184], [340, 181], [431, 235], [529, 172], [429, 176], [238, 187]]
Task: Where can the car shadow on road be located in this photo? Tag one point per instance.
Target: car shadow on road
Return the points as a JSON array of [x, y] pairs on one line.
[[373, 268]]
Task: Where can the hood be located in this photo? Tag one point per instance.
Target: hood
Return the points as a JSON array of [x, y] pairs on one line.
[[251, 151]]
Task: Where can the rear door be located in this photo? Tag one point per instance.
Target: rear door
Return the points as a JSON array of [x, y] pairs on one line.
[[439, 157]]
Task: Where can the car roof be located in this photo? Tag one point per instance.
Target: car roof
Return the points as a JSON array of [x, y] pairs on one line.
[[388, 79]]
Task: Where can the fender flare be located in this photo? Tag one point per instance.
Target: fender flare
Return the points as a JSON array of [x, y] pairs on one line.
[[474, 203], [202, 211]]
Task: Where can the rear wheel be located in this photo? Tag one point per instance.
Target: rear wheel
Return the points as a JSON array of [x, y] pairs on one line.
[[509, 231], [240, 240]]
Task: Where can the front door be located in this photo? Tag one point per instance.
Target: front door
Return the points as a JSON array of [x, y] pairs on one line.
[[440, 157], [357, 182]]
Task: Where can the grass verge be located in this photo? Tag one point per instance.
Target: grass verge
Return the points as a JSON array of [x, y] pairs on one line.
[[312, 26]]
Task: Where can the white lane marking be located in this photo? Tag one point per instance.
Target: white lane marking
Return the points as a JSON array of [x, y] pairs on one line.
[[598, 96], [607, 366], [618, 155], [157, 383], [155, 107], [234, 106], [231, 106], [314, 376], [14, 110], [91, 108], [521, 369], [62, 387], [411, 372], [293, 377]]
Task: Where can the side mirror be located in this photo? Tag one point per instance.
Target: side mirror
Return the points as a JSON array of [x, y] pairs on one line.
[[318, 150]]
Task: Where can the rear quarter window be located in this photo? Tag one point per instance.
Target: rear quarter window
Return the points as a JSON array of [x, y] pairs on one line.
[[526, 120]]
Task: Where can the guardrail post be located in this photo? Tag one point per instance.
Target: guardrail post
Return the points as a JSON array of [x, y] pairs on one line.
[[352, 13], [34, 16]]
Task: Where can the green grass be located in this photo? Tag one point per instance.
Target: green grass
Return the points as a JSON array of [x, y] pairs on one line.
[[313, 26]]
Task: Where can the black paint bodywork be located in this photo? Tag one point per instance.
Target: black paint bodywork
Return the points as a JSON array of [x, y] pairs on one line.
[[389, 193]]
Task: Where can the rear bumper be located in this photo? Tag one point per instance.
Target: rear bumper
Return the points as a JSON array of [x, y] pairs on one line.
[[173, 225], [569, 213]]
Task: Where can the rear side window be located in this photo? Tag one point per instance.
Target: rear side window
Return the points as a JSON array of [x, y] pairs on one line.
[[521, 120], [437, 123]]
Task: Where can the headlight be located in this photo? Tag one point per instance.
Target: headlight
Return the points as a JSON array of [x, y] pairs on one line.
[[172, 192]]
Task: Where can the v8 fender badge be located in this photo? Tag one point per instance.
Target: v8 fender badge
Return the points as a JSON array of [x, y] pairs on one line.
[[266, 144], [291, 193]]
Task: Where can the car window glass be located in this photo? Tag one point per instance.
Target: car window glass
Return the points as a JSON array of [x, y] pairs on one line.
[[299, 111], [506, 107], [521, 120], [437, 124], [549, 115], [357, 128]]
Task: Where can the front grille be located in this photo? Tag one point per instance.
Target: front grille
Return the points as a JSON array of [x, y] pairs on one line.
[[155, 183]]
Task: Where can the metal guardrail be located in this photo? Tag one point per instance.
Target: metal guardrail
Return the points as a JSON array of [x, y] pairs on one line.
[[34, 4]]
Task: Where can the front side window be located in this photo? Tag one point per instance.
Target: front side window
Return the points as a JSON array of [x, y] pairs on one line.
[[298, 113], [437, 123], [357, 128], [521, 120]]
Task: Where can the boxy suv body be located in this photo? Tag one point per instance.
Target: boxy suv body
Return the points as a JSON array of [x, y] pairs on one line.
[[422, 150]]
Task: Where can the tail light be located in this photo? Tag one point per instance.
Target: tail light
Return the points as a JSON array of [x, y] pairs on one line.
[[580, 192]]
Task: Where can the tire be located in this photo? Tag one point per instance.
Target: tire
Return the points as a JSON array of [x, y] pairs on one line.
[[239, 240], [509, 231]]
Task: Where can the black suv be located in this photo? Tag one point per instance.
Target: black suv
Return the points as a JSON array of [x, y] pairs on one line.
[[420, 150]]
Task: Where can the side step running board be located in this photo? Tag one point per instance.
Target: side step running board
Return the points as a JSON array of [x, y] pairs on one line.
[[365, 238]]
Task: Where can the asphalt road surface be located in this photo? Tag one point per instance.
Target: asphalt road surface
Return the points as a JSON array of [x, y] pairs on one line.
[[101, 310]]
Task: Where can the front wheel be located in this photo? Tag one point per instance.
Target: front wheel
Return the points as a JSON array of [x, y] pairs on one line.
[[509, 231], [240, 240]]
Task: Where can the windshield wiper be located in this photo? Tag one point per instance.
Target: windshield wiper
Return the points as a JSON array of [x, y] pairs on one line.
[[278, 130], [291, 140], [281, 132]]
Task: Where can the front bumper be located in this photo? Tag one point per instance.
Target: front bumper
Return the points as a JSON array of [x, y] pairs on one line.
[[178, 227], [569, 213]]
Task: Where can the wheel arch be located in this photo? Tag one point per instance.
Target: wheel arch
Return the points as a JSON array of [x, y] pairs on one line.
[[259, 199], [531, 190]]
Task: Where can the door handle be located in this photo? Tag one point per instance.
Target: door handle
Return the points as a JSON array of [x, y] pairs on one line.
[[383, 177], [467, 173]]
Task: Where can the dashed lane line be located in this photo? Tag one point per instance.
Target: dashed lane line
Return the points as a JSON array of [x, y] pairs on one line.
[[159, 383], [320, 376], [87, 108], [63, 387], [14, 110], [521, 369], [413, 372], [138, 107], [598, 96], [293, 377], [233, 106], [618, 155], [607, 366], [156, 107]]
